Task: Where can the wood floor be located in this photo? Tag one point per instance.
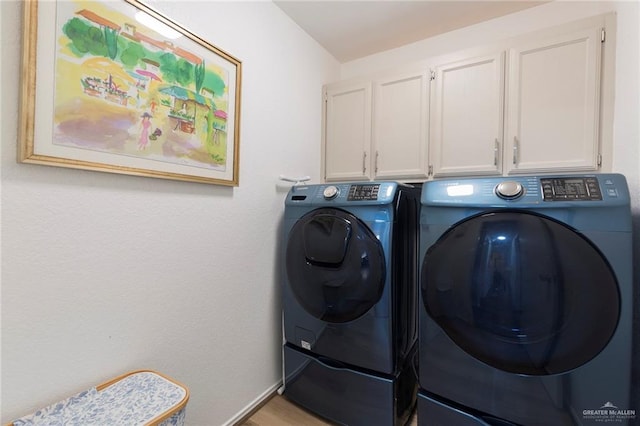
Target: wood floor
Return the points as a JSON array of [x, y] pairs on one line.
[[278, 411]]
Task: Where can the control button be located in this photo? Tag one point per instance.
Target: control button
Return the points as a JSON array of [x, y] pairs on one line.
[[611, 192], [330, 192], [509, 190]]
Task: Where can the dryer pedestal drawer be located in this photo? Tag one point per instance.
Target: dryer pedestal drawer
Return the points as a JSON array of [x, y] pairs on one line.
[[435, 413]]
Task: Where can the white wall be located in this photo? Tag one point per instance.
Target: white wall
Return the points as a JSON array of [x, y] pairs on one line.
[[103, 273]]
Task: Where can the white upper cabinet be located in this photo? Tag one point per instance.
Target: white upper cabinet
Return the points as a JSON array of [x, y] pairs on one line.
[[347, 126], [400, 125], [467, 117], [553, 104], [535, 103]]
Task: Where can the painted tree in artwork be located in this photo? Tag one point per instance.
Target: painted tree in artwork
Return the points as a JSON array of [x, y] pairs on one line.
[[132, 54], [111, 40], [85, 38], [199, 75], [176, 70]]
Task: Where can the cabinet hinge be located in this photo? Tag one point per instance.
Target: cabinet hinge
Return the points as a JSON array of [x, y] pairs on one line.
[[603, 35], [432, 74], [430, 170], [599, 160], [325, 96]]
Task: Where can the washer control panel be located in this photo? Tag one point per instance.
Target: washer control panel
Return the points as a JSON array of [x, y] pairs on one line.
[[330, 192], [571, 189], [363, 192], [344, 194]]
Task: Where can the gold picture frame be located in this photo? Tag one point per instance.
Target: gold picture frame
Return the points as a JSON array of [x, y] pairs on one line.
[[115, 86]]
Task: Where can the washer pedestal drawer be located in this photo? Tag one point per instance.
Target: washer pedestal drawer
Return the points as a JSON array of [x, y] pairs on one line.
[[345, 395]]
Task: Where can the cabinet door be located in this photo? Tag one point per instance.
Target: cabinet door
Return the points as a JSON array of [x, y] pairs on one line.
[[347, 138], [553, 104], [467, 117], [400, 106]]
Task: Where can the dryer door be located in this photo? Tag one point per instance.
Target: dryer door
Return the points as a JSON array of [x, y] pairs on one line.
[[521, 292], [335, 265]]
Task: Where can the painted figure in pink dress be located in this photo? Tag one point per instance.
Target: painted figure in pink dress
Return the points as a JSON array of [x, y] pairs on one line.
[[145, 124]]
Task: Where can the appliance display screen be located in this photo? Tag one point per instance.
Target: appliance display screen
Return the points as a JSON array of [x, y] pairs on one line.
[[568, 189], [363, 192]]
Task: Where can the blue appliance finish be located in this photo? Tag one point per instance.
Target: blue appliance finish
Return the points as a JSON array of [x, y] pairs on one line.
[[350, 300], [525, 311]]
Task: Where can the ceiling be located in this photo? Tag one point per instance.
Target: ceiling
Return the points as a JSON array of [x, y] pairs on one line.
[[353, 29]]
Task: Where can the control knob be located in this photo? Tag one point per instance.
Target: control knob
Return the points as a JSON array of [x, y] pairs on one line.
[[330, 192], [509, 190]]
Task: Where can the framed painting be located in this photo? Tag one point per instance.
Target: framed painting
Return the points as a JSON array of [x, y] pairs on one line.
[[115, 86]]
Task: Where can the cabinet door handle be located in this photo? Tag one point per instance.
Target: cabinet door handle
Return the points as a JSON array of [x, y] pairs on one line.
[[515, 150], [377, 155], [364, 162], [496, 150]]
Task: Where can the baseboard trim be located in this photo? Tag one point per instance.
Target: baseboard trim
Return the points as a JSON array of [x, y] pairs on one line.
[[243, 415]]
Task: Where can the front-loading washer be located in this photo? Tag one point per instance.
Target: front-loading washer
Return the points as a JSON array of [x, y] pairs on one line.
[[350, 300], [526, 301]]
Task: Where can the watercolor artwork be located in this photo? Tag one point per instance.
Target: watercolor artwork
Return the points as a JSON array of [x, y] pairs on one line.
[[115, 86]]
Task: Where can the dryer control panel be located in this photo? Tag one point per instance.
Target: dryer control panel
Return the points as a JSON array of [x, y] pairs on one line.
[[558, 191]]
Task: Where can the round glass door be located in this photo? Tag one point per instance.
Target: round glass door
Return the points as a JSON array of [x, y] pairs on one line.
[[335, 265], [521, 292]]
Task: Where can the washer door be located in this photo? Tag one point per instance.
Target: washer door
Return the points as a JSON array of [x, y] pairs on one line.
[[335, 265], [521, 292]]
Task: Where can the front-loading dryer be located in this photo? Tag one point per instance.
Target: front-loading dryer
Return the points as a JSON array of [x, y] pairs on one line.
[[526, 301], [350, 300]]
